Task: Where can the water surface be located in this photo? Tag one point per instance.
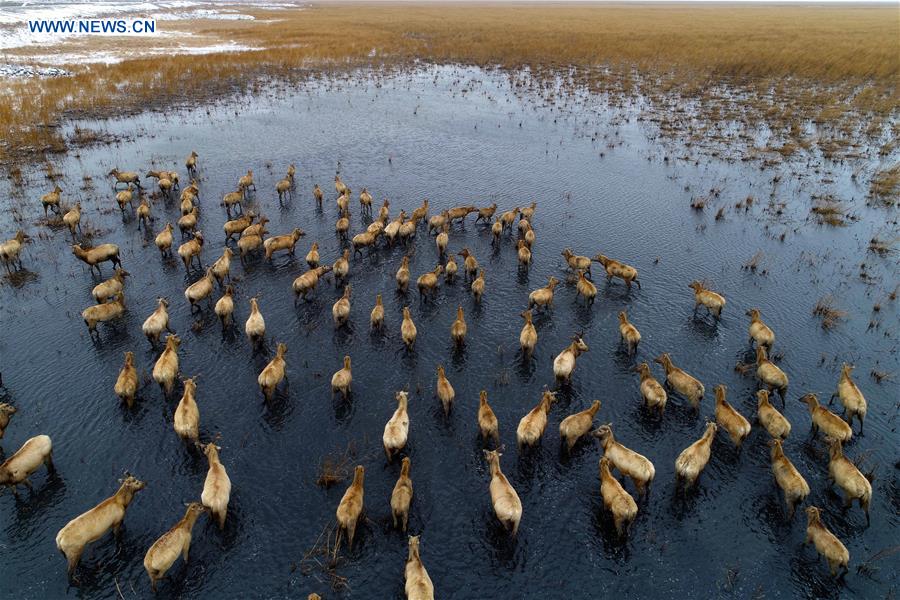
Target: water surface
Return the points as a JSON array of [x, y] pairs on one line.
[[604, 182]]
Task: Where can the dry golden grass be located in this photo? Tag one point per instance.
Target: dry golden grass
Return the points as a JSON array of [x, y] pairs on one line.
[[829, 313], [829, 211], [790, 63], [883, 248], [885, 184]]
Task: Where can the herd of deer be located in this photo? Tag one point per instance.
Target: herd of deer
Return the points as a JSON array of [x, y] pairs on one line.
[[110, 297]]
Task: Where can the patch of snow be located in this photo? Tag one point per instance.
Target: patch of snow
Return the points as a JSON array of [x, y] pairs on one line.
[[117, 57], [28, 71], [204, 14]]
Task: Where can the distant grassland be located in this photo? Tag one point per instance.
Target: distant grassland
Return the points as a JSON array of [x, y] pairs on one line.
[[793, 63]]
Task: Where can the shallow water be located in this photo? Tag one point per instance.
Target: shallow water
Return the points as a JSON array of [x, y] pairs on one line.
[[604, 182]]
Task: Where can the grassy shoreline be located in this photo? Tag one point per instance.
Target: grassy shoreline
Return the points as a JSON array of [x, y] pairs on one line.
[[836, 66]]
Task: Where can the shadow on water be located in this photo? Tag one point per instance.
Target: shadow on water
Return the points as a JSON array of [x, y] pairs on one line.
[[32, 504], [344, 408], [504, 546], [525, 365], [458, 353], [278, 410]]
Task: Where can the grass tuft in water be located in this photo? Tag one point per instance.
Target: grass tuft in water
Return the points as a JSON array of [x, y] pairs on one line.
[[829, 314]]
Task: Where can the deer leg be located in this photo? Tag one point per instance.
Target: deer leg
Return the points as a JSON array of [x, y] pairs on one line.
[[73, 560], [351, 531]]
